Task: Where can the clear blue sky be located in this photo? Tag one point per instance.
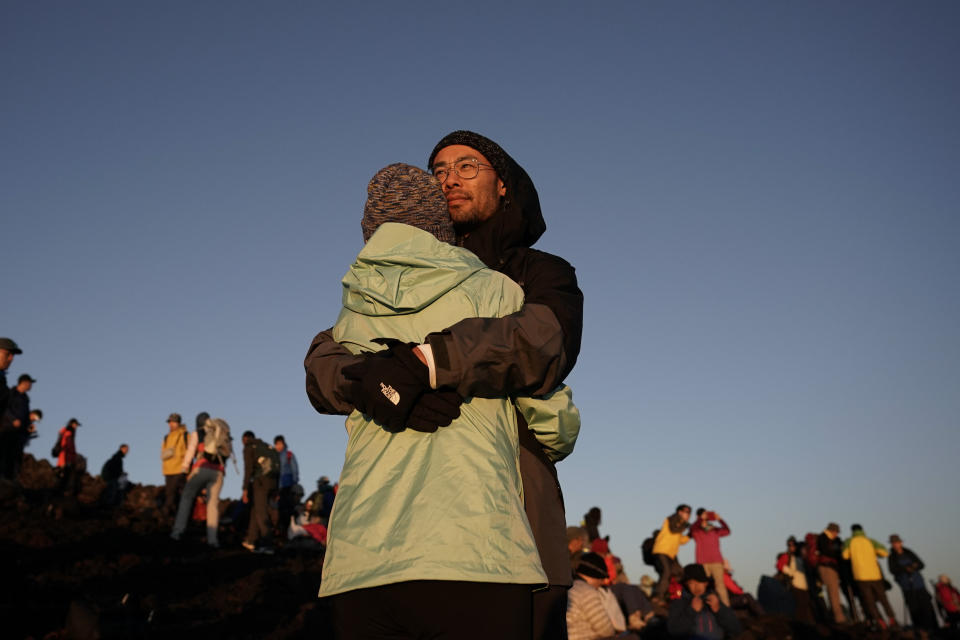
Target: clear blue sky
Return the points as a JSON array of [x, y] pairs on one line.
[[760, 200]]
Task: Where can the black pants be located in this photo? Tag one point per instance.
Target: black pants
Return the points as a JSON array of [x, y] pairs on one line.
[[921, 609], [434, 609], [69, 483], [550, 613], [259, 497], [871, 592], [668, 568], [172, 490], [285, 504]]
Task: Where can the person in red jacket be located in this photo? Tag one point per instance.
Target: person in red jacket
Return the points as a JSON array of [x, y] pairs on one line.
[[706, 533], [67, 459], [948, 600]]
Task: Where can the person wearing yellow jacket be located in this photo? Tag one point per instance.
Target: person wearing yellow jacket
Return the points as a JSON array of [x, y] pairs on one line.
[[666, 546], [862, 552], [172, 450]]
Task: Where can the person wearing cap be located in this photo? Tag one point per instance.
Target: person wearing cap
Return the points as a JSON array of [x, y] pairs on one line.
[[863, 553], [320, 502], [8, 349], [67, 459], [906, 566], [15, 427], [496, 210], [428, 535], [829, 557], [698, 612], [173, 449], [592, 612]]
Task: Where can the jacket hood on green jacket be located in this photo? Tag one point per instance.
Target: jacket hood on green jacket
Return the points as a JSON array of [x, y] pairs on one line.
[[402, 270]]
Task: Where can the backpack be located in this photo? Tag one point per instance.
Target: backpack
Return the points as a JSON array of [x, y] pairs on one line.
[[217, 442], [267, 459], [58, 447], [647, 548]]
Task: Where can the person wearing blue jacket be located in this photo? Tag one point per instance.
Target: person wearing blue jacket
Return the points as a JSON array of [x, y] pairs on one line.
[[698, 613]]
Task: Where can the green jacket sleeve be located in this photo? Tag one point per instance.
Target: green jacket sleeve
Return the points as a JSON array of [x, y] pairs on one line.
[[554, 420]]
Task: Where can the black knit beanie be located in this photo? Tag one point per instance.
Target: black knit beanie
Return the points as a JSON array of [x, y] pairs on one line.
[[500, 159], [406, 194], [593, 565]]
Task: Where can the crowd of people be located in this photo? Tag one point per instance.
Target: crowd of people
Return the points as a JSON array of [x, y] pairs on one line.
[[449, 358], [701, 599]]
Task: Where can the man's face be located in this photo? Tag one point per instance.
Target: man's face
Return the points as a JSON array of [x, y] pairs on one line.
[[279, 445], [685, 514], [124, 450], [696, 587], [470, 201], [6, 358], [173, 424], [25, 386], [897, 546]]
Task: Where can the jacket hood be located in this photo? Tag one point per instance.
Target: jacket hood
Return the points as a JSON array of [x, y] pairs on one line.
[[402, 270], [519, 221]]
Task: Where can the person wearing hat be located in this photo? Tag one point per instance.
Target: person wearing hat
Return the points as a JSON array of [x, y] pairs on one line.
[[8, 349], [593, 612], [698, 612], [496, 211], [173, 449], [863, 553], [906, 566], [67, 458], [15, 428], [427, 535], [948, 601]]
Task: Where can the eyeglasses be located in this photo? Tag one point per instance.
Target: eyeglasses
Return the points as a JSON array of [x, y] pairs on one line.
[[466, 169]]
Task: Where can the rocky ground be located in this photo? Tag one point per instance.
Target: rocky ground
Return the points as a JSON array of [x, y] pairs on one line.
[[72, 569]]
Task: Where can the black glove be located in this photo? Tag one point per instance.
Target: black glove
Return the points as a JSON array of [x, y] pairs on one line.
[[387, 384], [435, 409]]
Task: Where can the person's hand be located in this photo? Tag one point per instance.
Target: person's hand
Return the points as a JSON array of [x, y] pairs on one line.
[[387, 385], [713, 601], [435, 409], [696, 604], [245, 499]]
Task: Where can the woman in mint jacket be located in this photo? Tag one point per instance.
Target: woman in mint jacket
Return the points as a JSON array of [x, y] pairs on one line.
[[428, 533]]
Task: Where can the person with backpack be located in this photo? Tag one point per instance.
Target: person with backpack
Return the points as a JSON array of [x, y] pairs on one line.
[[287, 498], [172, 451], [261, 470], [207, 474], [666, 546]]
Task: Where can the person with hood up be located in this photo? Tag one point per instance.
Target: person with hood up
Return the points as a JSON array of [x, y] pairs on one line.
[[112, 473], [427, 533], [496, 212]]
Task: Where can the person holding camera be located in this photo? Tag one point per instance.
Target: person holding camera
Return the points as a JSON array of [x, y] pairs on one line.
[[698, 612], [706, 533]]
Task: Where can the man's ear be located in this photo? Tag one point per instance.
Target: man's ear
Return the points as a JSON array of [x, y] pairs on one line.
[[501, 188]]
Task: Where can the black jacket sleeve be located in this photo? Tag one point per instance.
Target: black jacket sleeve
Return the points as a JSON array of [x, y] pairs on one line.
[[323, 364], [529, 352]]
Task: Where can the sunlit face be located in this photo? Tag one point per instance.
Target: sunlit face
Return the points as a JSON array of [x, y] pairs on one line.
[[897, 546], [25, 386], [173, 424], [6, 359], [279, 445], [470, 201]]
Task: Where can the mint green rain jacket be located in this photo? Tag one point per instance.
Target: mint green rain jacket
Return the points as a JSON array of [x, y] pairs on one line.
[[444, 505]]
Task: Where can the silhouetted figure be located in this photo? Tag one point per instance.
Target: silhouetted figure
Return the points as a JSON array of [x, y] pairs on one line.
[[906, 566], [112, 473]]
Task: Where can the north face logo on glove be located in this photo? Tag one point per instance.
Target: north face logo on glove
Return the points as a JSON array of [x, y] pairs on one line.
[[390, 393]]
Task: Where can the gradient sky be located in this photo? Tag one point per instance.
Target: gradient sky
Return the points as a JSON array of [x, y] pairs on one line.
[[760, 200]]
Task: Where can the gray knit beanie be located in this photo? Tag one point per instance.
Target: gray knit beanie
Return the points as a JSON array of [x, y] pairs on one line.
[[403, 193]]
